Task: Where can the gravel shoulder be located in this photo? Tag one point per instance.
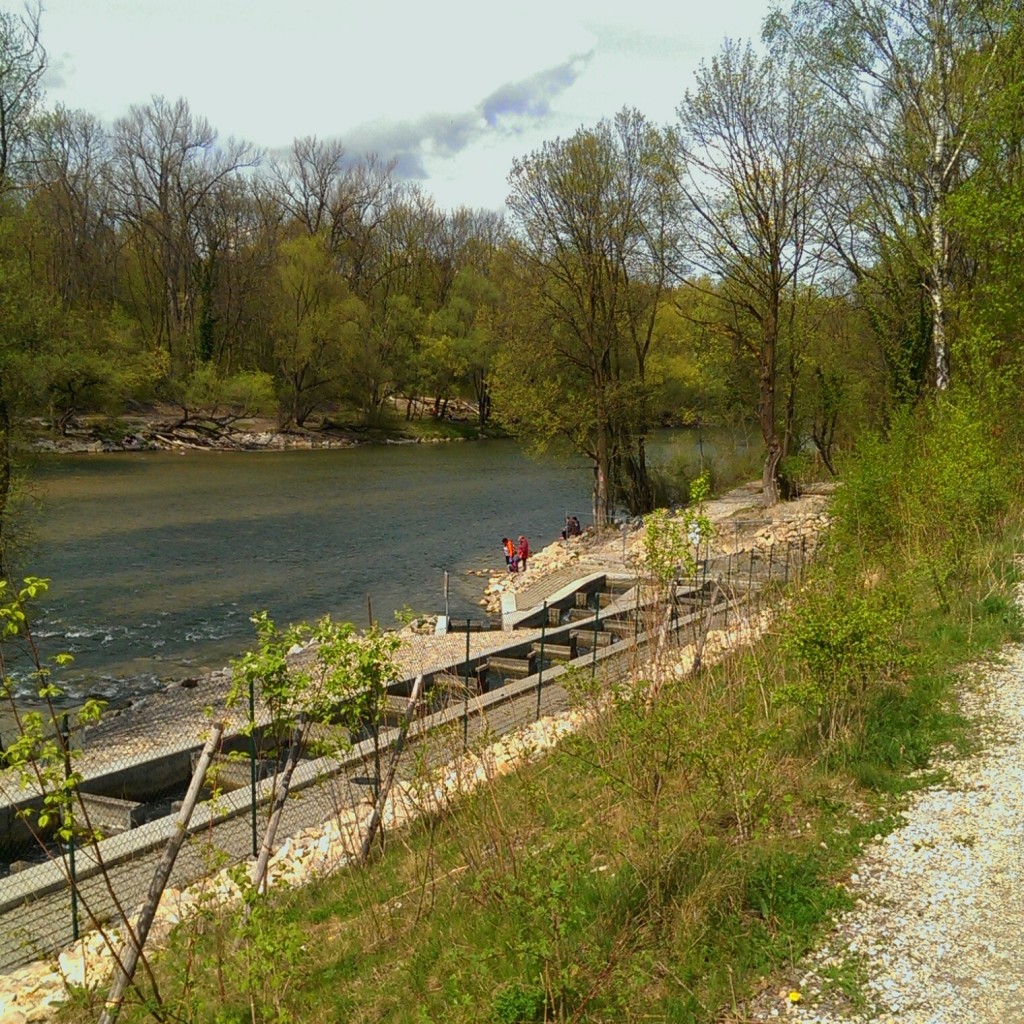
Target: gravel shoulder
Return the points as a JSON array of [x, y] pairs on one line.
[[936, 935]]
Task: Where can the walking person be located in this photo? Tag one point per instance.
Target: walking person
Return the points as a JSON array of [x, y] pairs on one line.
[[524, 552]]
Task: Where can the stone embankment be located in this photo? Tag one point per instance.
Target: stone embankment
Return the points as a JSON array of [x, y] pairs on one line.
[[738, 519], [34, 992]]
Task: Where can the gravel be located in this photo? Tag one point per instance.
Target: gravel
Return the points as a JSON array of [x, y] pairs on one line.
[[936, 935]]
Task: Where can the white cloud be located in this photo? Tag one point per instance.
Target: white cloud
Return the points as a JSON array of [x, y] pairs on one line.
[[477, 83]]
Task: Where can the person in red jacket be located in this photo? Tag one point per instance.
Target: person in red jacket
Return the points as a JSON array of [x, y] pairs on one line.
[[524, 553]]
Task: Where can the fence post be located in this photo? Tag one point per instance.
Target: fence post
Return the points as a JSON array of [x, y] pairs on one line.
[[771, 556], [597, 625], [65, 732], [803, 555], [252, 764], [465, 698], [540, 659], [728, 587], [786, 577]]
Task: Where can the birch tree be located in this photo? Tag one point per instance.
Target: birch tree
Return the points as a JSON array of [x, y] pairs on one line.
[[905, 82]]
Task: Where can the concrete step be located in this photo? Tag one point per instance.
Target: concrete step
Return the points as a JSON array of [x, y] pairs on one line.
[[590, 638], [556, 652], [112, 816], [512, 668], [621, 628], [578, 614], [395, 708]]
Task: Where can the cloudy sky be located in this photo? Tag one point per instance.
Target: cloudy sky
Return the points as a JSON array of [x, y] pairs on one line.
[[453, 89]]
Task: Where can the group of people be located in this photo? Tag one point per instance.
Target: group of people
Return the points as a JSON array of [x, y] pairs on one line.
[[516, 555], [572, 528]]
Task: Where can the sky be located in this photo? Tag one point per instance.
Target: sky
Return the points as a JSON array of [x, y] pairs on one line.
[[454, 90]]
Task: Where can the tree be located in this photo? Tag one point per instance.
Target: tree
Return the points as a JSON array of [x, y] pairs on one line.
[[910, 92], [87, 362], [166, 166], [22, 65], [593, 216], [22, 309], [753, 142], [987, 216], [313, 318], [74, 204]]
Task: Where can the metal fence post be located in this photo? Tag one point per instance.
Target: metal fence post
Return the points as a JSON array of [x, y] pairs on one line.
[[65, 732], [252, 765], [597, 624], [465, 699], [540, 660]]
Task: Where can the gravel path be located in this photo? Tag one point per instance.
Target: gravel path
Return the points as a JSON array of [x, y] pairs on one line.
[[937, 933]]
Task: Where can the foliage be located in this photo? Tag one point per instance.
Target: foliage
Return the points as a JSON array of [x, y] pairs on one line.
[[205, 394], [926, 490], [849, 645], [39, 753], [671, 543], [595, 214], [326, 672]]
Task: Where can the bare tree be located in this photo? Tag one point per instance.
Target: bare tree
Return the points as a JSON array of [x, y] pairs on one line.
[[71, 160], [308, 183], [166, 165], [22, 64]]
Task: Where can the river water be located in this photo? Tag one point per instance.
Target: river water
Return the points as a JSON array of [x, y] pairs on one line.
[[158, 559]]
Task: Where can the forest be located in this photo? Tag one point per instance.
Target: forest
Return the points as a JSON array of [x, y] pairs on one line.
[[829, 232]]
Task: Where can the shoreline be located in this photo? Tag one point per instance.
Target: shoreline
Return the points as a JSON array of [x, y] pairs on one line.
[[165, 432]]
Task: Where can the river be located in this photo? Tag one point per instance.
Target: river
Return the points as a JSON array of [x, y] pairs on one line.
[[158, 559]]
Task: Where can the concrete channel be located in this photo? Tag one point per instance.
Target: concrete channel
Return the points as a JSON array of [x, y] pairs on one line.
[[592, 624]]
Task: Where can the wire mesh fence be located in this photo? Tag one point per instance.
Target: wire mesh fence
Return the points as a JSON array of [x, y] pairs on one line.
[[481, 683]]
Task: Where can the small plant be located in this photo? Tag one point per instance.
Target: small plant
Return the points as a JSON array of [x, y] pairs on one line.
[[847, 644], [520, 1004]]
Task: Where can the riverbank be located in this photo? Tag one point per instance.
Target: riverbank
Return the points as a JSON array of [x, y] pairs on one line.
[[740, 523], [164, 429]]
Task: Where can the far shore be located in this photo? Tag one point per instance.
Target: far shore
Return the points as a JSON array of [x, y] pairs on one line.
[[166, 432]]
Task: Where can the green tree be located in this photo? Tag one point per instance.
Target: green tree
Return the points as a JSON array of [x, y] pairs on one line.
[[594, 220], [313, 319], [987, 215], [910, 90], [753, 142]]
